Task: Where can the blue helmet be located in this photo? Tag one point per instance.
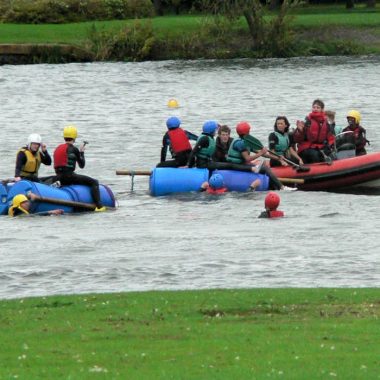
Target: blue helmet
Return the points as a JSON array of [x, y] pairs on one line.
[[239, 145], [216, 181], [210, 127], [173, 122]]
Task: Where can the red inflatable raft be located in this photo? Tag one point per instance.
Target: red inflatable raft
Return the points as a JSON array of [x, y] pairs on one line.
[[358, 175]]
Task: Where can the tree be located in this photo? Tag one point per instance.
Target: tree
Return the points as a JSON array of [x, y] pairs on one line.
[[158, 7], [253, 12]]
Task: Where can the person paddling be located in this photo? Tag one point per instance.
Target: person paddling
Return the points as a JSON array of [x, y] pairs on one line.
[[240, 153], [272, 201], [66, 156], [30, 157]]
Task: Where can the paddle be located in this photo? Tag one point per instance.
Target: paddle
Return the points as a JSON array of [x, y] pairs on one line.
[[256, 145], [149, 172], [63, 202]]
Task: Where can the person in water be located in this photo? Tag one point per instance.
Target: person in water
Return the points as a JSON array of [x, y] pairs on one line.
[[22, 205], [272, 201], [216, 185], [178, 141], [239, 153], [222, 143], [281, 143], [66, 156], [314, 137], [354, 134], [30, 157]]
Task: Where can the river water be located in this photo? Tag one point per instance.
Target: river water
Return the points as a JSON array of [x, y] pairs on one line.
[[187, 241]]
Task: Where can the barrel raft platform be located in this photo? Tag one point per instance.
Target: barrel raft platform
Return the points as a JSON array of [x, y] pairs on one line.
[[165, 181], [74, 198]]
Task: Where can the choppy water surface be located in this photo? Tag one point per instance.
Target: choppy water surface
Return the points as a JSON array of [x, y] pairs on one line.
[[189, 240]]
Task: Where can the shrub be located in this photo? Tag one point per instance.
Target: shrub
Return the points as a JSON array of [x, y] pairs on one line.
[[59, 11]]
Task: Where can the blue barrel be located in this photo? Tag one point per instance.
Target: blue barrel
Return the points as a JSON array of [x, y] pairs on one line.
[[77, 193], [3, 199], [240, 181], [165, 181]]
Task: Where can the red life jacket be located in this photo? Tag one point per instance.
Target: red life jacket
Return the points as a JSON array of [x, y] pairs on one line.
[[222, 190], [275, 214], [179, 140], [60, 156], [317, 133]]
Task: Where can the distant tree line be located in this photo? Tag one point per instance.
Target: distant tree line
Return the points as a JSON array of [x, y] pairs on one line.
[[183, 6]]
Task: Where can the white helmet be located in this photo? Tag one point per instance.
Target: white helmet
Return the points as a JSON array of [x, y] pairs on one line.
[[34, 138]]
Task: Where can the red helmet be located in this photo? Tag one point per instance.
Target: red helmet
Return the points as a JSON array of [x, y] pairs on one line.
[[243, 128], [272, 200]]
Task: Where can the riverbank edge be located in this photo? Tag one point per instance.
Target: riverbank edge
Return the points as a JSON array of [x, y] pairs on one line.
[[242, 332], [330, 41]]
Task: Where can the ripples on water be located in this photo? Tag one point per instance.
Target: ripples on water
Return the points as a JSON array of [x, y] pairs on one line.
[[188, 240]]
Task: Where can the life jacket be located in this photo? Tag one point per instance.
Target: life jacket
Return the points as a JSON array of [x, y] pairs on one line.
[[275, 214], [63, 159], [14, 211], [207, 153], [33, 162], [317, 133], [358, 137], [178, 140], [283, 143], [210, 190], [233, 154]]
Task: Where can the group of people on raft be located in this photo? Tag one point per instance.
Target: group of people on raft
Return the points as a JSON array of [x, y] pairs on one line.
[[66, 156], [314, 140]]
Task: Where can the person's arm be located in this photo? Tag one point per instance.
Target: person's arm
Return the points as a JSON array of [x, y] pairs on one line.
[[20, 162], [164, 149], [201, 143], [191, 136], [45, 156], [79, 154]]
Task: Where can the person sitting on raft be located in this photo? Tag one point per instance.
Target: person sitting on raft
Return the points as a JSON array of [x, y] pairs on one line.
[[21, 205], [178, 141], [354, 134], [281, 143], [66, 156], [202, 155], [239, 153], [30, 157], [314, 137], [222, 143], [272, 201]]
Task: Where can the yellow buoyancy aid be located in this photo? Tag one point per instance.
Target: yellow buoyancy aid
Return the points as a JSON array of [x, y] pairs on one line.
[[33, 162]]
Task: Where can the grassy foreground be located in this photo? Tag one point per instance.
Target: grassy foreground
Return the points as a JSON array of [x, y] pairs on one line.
[[211, 334]]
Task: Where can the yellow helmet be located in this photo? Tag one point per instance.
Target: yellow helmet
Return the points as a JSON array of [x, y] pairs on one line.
[[172, 103], [70, 132], [18, 199], [356, 115]]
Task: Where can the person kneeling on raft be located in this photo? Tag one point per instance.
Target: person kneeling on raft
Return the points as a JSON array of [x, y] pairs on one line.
[[65, 158], [21, 205], [272, 201]]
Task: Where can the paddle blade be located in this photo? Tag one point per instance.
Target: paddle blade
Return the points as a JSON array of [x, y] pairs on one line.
[[254, 143]]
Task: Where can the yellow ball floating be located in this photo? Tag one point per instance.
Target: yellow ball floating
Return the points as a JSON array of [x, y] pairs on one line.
[[172, 103]]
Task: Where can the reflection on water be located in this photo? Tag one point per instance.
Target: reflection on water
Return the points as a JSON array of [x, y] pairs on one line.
[[187, 240]]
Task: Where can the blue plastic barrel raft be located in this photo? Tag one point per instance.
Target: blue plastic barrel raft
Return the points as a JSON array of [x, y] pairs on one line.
[[76, 193], [240, 181], [3, 199], [164, 181]]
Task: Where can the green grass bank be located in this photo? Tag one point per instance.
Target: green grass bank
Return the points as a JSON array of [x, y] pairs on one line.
[[322, 30], [209, 334]]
